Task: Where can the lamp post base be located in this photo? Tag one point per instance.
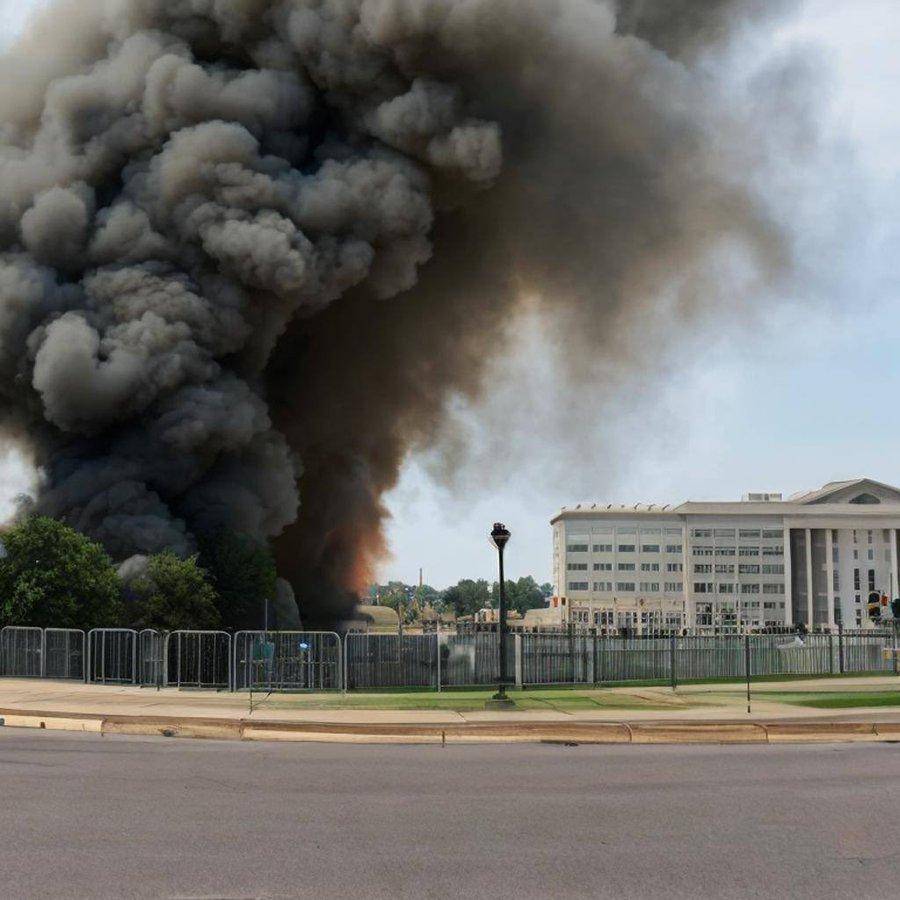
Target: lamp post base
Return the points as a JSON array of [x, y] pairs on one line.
[[500, 701]]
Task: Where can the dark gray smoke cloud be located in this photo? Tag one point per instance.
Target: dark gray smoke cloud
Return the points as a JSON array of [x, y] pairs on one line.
[[250, 247]]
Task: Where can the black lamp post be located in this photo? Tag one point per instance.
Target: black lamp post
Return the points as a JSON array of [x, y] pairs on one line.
[[499, 538]]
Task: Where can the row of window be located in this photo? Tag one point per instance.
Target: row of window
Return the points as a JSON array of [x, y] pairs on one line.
[[742, 532], [743, 568], [627, 587], [705, 550], [624, 548], [708, 587]]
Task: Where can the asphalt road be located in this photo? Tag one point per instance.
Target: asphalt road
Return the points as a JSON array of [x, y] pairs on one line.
[[82, 815]]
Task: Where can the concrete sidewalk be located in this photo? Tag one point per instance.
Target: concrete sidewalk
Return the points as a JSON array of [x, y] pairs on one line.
[[719, 715]]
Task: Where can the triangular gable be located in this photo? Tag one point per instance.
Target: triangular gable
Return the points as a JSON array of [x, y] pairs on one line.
[[862, 491]]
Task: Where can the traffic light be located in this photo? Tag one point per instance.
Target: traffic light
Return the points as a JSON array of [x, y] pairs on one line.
[[895, 607], [874, 606]]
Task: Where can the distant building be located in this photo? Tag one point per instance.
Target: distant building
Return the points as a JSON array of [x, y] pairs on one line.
[[763, 561]]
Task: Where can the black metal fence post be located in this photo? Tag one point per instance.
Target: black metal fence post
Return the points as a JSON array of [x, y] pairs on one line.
[[672, 672], [747, 667], [841, 648]]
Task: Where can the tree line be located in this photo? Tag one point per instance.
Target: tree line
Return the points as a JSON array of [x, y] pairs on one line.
[[52, 576], [465, 598]]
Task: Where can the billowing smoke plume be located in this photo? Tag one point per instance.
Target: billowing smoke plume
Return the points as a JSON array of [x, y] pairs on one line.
[[250, 247]]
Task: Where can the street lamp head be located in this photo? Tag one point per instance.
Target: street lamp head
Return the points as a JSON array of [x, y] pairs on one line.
[[499, 535]]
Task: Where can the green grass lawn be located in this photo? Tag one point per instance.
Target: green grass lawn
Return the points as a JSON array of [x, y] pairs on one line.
[[468, 701], [835, 700]]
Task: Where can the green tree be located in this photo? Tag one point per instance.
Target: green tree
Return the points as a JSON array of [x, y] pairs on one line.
[[468, 596], [242, 572], [54, 577], [174, 594]]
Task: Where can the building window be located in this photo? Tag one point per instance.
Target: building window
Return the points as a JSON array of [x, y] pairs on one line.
[[836, 581], [725, 568], [603, 567], [773, 551], [856, 554], [703, 551], [578, 585], [773, 569], [649, 567], [651, 587], [673, 531], [725, 532], [577, 567], [702, 568], [603, 586], [625, 567], [749, 532], [626, 548], [871, 579], [870, 554], [602, 548], [576, 548], [673, 587], [725, 551], [746, 569], [650, 548], [748, 551], [726, 588], [870, 537], [856, 581], [674, 567], [773, 588], [703, 587], [626, 531], [749, 588], [772, 533], [625, 586], [674, 548], [702, 532]]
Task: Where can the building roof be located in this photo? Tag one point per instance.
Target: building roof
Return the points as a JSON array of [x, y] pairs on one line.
[[833, 498]]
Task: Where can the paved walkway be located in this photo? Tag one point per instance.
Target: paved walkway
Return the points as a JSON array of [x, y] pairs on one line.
[[693, 703]]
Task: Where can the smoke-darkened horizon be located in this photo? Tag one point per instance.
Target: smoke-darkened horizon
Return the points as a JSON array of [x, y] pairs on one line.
[[250, 248]]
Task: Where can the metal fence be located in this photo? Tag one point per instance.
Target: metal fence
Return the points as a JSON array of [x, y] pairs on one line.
[[287, 661], [21, 652], [63, 653], [319, 661], [112, 656], [151, 658], [198, 659]]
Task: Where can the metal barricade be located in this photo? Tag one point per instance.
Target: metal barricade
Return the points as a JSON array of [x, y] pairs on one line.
[[198, 659], [112, 656], [63, 655], [709, 656], [287, 661], [151, 664], [21, 652]]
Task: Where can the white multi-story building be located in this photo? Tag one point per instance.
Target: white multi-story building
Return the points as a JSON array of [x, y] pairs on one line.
[[761, 562]]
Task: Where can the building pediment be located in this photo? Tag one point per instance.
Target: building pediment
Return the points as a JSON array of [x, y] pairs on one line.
[[859, 491]]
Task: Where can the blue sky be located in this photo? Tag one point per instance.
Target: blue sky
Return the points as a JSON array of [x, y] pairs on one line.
[[806, 396]]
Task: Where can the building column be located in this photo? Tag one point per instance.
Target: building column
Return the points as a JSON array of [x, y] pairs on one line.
[[809, 580], [788, 584], [690, 602], [829, 573], [895, 590]]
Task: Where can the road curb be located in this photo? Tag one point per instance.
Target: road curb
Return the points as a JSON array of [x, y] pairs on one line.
[[470, 733]]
